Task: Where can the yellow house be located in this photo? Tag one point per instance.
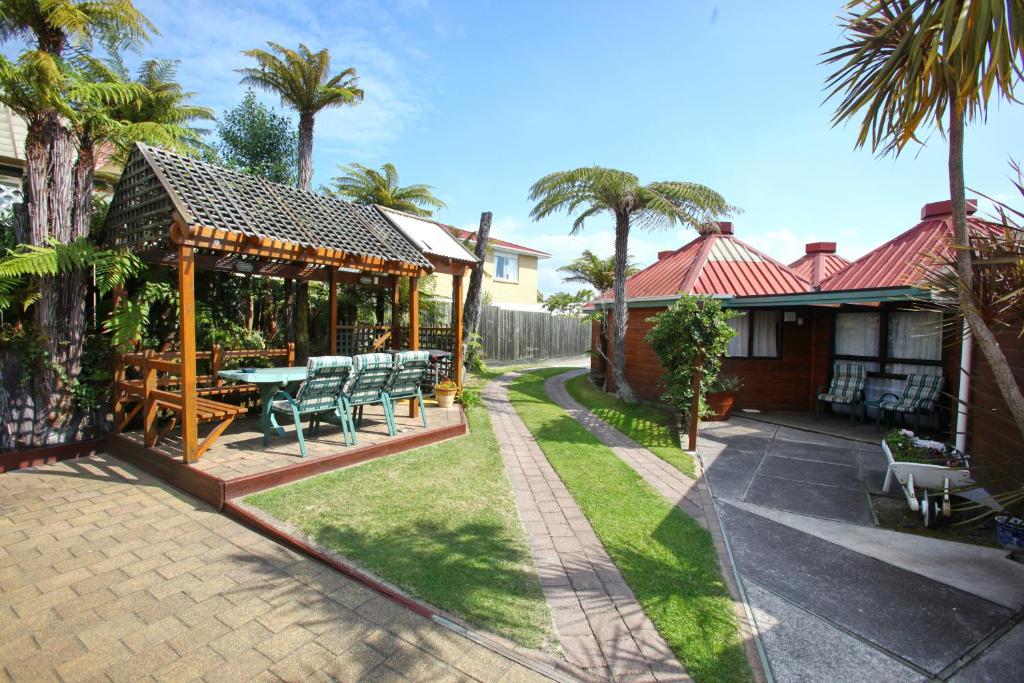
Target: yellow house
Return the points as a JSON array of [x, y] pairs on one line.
[[510, 270]]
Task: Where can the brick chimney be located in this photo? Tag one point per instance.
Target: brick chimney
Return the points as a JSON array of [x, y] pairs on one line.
[[820, 248], [725, 227], [945, 208], [663, 254]]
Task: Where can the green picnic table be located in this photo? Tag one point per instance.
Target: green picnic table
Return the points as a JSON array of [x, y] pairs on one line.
[[270, 381]]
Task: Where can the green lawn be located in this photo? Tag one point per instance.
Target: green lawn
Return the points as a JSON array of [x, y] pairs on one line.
[[439, 521], [651, 427], [664, 555]]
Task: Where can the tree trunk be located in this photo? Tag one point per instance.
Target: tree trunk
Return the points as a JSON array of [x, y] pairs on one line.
[[475, 292], [983, 336], [305, 151], [302, 321], [621, 312], [380, 305]]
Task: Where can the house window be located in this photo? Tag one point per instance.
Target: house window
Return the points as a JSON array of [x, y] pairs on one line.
[[757, 335], [506, 267]]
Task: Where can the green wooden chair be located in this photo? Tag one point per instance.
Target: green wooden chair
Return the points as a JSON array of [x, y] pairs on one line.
[[319, 394], [410, 369], [846, 388], [920, 394], [371, 373]]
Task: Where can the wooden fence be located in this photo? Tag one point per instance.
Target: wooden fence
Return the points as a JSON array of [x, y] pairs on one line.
[[516, 336]]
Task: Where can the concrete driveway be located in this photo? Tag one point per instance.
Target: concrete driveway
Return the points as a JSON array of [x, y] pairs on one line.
[[836, 598]]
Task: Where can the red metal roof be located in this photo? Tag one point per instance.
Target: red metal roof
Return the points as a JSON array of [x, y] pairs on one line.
[[471, 236], [820, 261], [903, 260], [712, 264]]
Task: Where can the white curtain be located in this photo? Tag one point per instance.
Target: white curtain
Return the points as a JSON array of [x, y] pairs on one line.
[[915, 334], [765, 326], [739, 344], [857, 334]]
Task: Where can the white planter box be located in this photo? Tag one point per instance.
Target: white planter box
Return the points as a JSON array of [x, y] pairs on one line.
[[913, 475]]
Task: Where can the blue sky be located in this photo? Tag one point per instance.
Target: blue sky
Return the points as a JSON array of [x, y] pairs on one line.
[[480, 99]]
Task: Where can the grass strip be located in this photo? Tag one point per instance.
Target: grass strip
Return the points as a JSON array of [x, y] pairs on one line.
[[439, 521], [651, 427], [664, 555]]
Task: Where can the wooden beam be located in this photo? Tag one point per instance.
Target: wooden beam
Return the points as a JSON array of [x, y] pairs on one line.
[[332, 317], [414, 328], [203, 237], [187, 333], [396, 310], [457, 328], [225, 263], [450, 267]]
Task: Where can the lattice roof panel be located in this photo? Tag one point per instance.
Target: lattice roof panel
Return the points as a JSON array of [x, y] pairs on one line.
[[155, 182]]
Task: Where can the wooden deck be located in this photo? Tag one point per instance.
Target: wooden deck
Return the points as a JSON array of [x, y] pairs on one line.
[[237, 464]]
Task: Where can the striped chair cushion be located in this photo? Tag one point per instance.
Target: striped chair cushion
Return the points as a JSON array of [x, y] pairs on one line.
[[325, 378], [920, 393], [370, 374], [847, 384], [410, 367]]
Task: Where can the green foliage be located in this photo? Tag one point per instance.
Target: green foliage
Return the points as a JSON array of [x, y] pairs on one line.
[[566, 303], [257, 140], [591, 269], [301, 78], [470, 397], [730, 383], [475, 353], [695, 327], [368, 186], [903, 63]]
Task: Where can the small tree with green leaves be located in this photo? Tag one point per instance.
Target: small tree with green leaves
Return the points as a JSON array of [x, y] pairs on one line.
[[257, 140], [694, 330]]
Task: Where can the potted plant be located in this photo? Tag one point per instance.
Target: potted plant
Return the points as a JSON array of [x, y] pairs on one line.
[[445, 392], [921, 464], [721, 396]]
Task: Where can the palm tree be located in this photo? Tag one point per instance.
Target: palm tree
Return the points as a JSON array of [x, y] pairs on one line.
[[907, 63], [369, 186], [301, 79], [44, 88], [594, 190]]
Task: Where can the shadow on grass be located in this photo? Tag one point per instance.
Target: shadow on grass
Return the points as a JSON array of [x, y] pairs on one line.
[[472, 570]]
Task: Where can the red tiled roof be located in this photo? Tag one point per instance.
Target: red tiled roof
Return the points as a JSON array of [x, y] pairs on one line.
[[713, 264], [820, 261], [902, 261], [471, 236]]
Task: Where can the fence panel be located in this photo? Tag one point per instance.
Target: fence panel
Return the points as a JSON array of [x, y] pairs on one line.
[[514, 336]]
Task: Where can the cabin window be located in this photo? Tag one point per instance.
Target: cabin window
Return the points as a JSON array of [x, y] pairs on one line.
[[757, 335], [506, 267]]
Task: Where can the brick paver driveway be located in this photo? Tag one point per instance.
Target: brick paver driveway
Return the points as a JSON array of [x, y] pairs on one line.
[[106, 572]]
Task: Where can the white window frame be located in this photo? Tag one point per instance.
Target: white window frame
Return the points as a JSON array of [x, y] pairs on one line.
[[513, 260]]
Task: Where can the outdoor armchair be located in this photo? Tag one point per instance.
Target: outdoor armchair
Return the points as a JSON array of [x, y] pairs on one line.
[[370, 375], [919, 396], [319, 394], [846, 388], [411, 367]]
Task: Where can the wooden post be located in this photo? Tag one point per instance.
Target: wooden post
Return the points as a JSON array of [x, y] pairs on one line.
[[457, 328], [217, 364], [698, 363], [396, 323], [187, 332], [291, 354], [149, 386], [118, 371], [332, 304], [414, 328]]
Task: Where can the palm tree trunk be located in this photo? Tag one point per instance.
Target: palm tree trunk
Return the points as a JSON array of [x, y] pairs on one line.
[[302, 286], [983, 335], [305, 151], [620, 322]]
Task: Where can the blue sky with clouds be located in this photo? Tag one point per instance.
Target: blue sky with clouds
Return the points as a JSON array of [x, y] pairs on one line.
[[481, 98]]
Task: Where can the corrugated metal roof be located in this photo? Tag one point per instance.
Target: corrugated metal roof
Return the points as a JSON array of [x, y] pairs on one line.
[[903, 260], [494, 242], [713, 264], [430, 236], [818, 266]]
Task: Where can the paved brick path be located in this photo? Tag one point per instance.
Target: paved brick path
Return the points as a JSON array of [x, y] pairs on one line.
[[666, 479], [106, 573], [601, 626]]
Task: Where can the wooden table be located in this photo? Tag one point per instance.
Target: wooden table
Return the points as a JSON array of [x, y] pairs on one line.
[[270, 381]]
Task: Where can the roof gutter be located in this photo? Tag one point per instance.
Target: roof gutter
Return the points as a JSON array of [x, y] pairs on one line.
[[833, 298]]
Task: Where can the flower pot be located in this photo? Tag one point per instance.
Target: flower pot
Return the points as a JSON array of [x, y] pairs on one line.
[[445, 397], [1010, 532], [720, 402]]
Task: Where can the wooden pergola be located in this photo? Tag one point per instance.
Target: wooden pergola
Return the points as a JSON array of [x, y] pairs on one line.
[[186, 214]]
